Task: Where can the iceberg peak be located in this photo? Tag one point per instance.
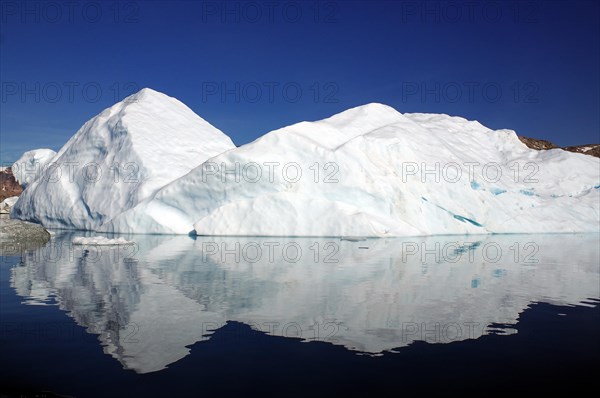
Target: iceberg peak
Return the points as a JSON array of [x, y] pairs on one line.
[[372, 110], [119, 158], [146, 93], [372, 107]]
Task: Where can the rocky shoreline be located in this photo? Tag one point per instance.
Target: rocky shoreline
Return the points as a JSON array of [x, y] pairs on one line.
[[17, 236], [9, 186], [588, 149]]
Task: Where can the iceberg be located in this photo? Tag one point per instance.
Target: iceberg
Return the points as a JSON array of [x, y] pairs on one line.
[[374, 172], [369, 171], [31, 164], [117, 159]]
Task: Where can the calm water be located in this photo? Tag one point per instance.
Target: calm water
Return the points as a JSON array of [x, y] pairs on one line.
[[301, 316]]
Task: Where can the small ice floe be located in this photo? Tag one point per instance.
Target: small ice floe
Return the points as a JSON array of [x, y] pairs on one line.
[[7, 204], [100, 241], [353, 238]]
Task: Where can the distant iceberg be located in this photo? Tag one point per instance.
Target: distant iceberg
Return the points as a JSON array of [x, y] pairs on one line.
[[369, 171], [31, 164]]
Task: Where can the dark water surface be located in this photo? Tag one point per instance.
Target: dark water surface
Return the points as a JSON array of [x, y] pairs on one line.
[[176, 316]]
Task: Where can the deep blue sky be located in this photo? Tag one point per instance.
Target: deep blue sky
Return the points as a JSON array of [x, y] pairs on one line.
[[444, 57]]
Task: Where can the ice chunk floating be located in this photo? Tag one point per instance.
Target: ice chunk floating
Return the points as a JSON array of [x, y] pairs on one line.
[[100, 241], [369, 171]]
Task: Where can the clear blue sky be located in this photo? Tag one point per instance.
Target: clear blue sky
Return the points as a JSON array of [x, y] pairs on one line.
[[251, 67]]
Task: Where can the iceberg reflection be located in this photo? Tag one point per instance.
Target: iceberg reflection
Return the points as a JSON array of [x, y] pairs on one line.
[[149, 302]]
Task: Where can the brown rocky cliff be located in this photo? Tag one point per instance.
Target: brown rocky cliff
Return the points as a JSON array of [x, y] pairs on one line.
[[8, 185], [590, 149]]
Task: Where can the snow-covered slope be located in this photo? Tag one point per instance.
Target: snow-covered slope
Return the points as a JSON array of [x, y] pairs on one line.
[[119, 158], [372, 171], [31, 165]]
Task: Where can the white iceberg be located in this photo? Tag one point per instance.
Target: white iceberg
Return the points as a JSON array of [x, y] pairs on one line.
[[119, 158], [100, 241], [369, 171], [372, 171], [31, 165]]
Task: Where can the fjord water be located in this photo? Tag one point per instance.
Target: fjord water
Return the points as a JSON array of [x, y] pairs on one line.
[[290, 316]]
